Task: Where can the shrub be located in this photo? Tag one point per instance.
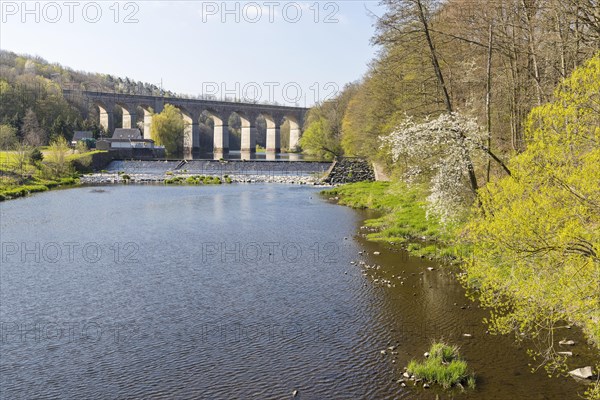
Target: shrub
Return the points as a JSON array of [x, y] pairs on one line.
[[35, 156]]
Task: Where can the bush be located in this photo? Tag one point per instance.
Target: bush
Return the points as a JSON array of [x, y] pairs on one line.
[[35, 156]]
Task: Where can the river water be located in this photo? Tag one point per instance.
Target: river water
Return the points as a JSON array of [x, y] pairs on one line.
[[228, 292]]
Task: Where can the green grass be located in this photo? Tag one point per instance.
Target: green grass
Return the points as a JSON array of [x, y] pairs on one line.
[[80, 156], [443, 367], [15, 183], [196, 180], [33, 185], [403, 217]]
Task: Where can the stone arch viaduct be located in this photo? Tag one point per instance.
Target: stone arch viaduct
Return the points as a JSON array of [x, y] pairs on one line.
[[192, 109]]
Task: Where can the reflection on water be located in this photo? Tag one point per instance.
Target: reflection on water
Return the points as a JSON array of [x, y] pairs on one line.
[[237, 291], [246, 155]]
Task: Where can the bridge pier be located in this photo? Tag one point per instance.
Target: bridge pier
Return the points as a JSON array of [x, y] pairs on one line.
[[249, 134], [129, 119], [294, 137], [107, 121], [147, 124], [191, 134], [191, 139], [273, 139], [221, 139]]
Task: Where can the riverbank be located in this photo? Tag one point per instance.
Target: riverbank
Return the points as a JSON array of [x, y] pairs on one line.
[[22, 174], [9, 192], [403, 220]]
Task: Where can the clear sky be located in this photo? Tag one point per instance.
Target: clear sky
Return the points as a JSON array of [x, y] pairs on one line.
[[287, 51]]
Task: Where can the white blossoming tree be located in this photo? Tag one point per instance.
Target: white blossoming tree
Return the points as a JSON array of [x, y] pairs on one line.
[[443, 152]]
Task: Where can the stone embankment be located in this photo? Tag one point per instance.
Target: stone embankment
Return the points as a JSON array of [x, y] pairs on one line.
[[349, 170]]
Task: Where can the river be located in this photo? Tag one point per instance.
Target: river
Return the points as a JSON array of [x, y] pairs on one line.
[[223, 292]]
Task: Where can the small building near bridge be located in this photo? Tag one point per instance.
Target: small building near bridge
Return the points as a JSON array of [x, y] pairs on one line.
[[86, 136]]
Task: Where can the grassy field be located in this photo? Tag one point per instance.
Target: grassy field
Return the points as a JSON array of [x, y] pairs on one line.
[[403, 217]]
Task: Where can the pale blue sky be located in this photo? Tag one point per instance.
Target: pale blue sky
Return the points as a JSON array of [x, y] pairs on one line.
[[198, 46]]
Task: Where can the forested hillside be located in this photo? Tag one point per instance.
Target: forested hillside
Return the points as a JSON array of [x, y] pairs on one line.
[[493, 61], [33, 107]]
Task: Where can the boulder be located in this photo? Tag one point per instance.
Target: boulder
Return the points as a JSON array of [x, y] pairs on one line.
[[582, 373], [567, 342]]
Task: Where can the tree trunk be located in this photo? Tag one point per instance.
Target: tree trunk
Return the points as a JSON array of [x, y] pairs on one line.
[[488, 98], [434, 58]]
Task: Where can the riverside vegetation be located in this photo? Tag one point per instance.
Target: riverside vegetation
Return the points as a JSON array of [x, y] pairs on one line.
[[492, 140], [26, 170], [529, 241], [443, 366]]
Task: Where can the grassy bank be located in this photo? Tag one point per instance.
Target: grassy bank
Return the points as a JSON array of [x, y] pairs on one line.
[[20, 176], [10, 191], [403, 219]]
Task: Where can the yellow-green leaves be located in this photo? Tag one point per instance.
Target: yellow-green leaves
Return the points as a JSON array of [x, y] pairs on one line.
[[167, 129], [537, 236]]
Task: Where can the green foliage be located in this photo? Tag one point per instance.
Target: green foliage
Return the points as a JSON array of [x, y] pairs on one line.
[[167, 129], [36, 156], [317, 140], [197, 180], [322, 135], [443, 366], [8, 136], [57, 158], [404, 217], [537, 238], [8, 192], [82, 147], [593, 392]]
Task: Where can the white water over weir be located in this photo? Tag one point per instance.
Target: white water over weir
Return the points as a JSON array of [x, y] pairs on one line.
[[301, 172]]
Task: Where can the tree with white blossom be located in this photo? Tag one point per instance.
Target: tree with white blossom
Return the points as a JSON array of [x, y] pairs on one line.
[[444, 152]]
